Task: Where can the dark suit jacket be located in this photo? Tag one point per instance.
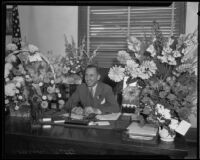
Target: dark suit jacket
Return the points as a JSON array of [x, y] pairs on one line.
[[103, 93]]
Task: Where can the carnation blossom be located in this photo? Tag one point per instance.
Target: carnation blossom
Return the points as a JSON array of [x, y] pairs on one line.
[[11, 47], [131, 93], [134, 44], [10, 89], [132, 68], [44, 104], [116, 73], [173, 124], [33, 48], [123, 56], [11, 58], [152, 50], [148, 67]]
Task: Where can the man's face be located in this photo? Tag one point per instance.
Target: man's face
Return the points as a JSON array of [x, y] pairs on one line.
[[91, 76]]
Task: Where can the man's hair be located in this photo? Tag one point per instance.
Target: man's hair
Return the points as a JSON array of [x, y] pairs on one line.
[[93, 66]]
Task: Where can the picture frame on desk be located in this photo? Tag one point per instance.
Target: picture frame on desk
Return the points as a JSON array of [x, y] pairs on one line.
[[9, 21]]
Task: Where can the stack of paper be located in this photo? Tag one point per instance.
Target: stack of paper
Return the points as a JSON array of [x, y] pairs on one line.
[[73, 116], [146, 132], [108, 117]]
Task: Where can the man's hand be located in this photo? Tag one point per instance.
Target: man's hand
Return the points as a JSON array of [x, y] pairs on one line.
[[77, 110], [88, 110]]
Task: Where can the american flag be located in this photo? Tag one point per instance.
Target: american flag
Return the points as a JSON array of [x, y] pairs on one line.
[[16, 34]]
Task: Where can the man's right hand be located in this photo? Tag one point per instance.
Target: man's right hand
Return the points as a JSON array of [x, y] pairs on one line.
[[88, 110]]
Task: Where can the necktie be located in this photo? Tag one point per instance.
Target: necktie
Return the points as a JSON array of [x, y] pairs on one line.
[[91, 91]]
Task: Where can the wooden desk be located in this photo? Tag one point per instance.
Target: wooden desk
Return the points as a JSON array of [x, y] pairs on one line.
[[21, 138]]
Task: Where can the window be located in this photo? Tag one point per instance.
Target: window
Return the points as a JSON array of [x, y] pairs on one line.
[[109, 26]]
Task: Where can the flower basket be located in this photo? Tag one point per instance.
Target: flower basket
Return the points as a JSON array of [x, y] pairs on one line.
[[37, 76]]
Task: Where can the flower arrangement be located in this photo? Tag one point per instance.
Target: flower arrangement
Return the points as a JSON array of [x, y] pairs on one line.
[[69, 68], [14, 79], [29, 78], [165, 70]]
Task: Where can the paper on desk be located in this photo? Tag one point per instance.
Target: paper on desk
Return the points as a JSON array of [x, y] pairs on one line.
[[100, 123], [140, 137], [73, 116], [107, 117], [183, 127]]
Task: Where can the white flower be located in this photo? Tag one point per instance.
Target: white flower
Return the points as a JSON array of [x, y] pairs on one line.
[[152, 50], [59, 95], [6, 73], [8, 66], [116, 73], [57, 90], [41, 84], [18, 79], [11, 58], [173, 124], [11, 47], [134, 44], [16, 91], [170, 42], [10, 89], [123, 56], [176, 54], [6, 101], [148, 67], [52, 82], [132, 68], [32, 48], [16, 107], [167, 114], [7, 79], [20, 97], [44, 97]]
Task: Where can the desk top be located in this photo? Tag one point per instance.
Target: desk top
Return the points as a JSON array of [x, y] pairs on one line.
[[110, 138]]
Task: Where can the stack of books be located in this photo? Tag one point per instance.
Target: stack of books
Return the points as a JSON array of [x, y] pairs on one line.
[[138, 132]]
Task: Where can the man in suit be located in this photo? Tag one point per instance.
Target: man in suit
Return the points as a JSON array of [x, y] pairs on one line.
[[94, 96]]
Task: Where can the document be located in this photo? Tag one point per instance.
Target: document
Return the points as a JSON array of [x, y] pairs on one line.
[[73, 116], [99, 123], [107, 117]]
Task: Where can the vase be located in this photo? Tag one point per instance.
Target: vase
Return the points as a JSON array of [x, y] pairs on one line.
[[165, 135], [35, 113]]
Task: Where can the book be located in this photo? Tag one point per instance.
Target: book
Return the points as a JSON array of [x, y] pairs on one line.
[[147, 130], [58, 119]]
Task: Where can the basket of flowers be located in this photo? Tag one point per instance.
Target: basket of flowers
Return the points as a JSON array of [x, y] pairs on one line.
[[33, 71]]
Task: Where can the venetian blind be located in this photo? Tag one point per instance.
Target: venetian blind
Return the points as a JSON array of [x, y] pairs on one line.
[[109, 26]]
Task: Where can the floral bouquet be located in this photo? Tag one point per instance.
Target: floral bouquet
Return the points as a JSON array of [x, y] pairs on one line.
[[16, 97], [165, 69], [69, 68], [37, 79]]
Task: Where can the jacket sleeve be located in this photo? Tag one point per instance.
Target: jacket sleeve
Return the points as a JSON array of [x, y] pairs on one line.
[[111, 105], [73, 100]]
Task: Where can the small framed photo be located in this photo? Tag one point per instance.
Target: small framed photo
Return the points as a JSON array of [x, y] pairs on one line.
[[9, 21]]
